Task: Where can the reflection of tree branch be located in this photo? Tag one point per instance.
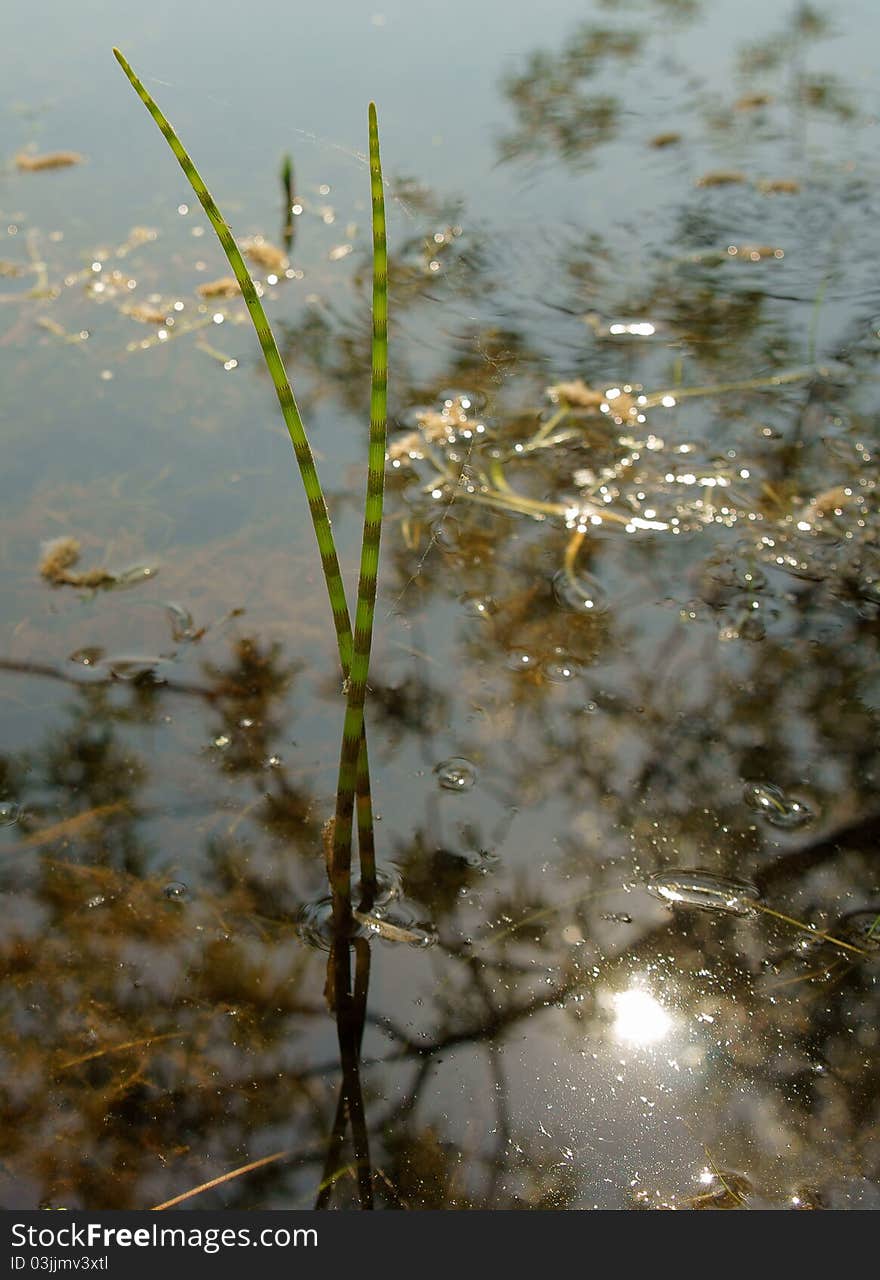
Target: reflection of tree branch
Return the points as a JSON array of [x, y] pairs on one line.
[[159, 685]]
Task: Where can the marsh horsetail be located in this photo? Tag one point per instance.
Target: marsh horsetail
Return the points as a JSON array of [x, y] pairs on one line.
[[353, 729], [354, 650]]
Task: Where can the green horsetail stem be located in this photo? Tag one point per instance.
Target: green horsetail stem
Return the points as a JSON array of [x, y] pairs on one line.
[[298, 437], [353, 727]]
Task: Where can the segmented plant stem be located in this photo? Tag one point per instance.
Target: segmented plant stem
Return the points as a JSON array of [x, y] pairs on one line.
[[366, 599], [298, 437]]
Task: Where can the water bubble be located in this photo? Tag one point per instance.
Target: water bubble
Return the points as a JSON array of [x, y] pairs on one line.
[[314, 920], [520, 660], [456, 774], [222, 741], [9, 813], [560, 669], [579, 592], [176, 891], [273, 762], [183, 627], [97, 901], [477, 606], [775, 806], [703, 889], [90, 656]]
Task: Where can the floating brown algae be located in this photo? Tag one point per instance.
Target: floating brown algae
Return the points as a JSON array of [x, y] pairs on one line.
[[779, 186], [225, 287], [577, 394], [146, 314], [661, 140], [51, 160], [266, 255], [704, 890], [59, 555], [721, 178]]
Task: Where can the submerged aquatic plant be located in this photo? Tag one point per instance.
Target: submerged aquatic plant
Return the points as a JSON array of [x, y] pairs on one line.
[[354, 647]]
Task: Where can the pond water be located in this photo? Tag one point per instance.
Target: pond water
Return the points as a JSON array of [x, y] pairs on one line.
[[625, 691]]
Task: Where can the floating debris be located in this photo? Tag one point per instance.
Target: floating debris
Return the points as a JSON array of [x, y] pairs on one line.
[[405, 450], [661, 140], [861, 927], [724, 1190], [68, 828], [754, 252], [456, 774], [576, 394], [146, 314], [779, 186], [59, 555], [266, 255], [807, 1198], [28, 163], [225, 287], [721, 178], [390, 931], [773, 804], [752, 101], [704, 890]]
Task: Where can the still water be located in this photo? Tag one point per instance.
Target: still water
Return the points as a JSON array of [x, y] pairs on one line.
[[625, 694]]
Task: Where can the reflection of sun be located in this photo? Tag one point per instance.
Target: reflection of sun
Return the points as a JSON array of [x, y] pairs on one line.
[[638, 1018]]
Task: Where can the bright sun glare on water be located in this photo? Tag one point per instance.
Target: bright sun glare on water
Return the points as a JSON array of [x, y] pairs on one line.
[[638, 1018]]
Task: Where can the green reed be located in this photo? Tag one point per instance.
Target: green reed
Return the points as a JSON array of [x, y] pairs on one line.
[[354, 648], [353, 727]]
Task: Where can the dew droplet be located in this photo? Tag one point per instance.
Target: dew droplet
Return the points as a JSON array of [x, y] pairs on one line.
[[9, 813], [456, 774], [176, 891], [775, 806], [579, 592], [703, 889]]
